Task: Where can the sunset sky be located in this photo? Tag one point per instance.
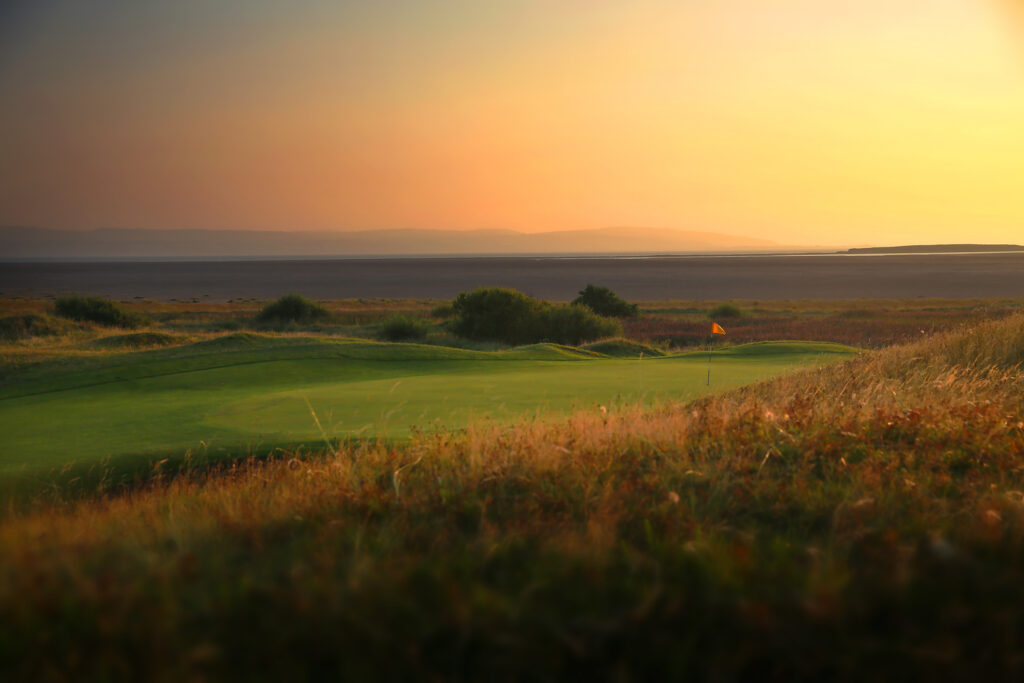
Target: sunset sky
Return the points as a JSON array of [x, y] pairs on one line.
[[823, 122]]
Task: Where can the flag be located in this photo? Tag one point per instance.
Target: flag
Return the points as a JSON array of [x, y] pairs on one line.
[[716, 329]]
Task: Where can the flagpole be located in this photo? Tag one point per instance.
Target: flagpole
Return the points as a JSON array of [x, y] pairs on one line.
[[710, 341]]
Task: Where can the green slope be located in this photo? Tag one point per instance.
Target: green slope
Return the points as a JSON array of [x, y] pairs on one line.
[[248, 393]]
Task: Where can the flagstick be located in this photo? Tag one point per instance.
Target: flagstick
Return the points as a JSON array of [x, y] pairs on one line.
[[711, 340]]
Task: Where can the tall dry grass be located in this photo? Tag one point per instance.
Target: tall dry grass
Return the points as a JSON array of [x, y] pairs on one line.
[[860, 520]]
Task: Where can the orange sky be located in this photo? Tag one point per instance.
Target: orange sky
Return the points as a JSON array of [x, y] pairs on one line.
[[825, 122]]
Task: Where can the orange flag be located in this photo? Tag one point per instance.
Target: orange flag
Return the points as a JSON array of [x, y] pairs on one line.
[[716, 329]]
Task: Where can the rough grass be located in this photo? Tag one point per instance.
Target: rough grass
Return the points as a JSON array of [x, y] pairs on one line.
[[26, 326], [723, 311], [862, 323], [865, 323], [863, 521], [137, 340], [96, 310]]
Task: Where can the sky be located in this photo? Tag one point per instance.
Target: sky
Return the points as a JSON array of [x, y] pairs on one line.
[[808, 122]]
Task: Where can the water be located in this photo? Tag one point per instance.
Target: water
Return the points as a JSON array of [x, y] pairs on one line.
[[700, 277]]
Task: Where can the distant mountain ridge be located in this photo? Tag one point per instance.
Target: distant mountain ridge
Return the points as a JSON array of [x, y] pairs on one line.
[[17, 242]]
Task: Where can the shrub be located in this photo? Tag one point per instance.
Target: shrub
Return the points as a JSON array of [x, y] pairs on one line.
[[499, 314], [576, 324], [404, 328], [604, 301], [96, 310], [292, 308], [511, 317], [725, 311]]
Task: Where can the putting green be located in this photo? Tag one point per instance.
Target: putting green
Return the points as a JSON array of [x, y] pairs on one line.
[[248, 393]]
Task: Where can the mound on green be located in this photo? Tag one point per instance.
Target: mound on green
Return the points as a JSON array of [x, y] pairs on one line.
[[623, 348], [137, 340], [96, 310]]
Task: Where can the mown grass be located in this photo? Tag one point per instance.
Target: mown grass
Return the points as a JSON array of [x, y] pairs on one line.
[[247, 394], [861, 521]]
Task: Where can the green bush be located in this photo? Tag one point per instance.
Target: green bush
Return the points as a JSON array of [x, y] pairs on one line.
[[604, 301], [292, 308], [498, 314], [511, 317], [725, 311], [96, 310], [404, 328], [576, 324]]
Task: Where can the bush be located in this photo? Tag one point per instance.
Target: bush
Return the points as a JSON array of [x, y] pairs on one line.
[[404, 328], [725, 311], [576, 324], [604, 301], [511, 317], [96, 310], [292, 308], [497, 314]]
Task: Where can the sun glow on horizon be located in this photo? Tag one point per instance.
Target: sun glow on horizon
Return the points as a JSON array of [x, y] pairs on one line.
[[804, 122]]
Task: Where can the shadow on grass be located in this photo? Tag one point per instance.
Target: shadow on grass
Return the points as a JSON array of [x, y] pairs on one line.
[[114, 476]]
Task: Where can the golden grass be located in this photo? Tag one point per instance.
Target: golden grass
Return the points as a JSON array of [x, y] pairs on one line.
[[809, 507]]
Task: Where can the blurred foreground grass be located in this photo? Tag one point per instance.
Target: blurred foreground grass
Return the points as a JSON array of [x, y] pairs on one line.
[[861, 521]]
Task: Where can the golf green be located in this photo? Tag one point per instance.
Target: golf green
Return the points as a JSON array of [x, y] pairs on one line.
[[247, 393]]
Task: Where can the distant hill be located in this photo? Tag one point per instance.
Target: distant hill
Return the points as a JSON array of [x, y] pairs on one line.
[[935, 249], [17, 242]]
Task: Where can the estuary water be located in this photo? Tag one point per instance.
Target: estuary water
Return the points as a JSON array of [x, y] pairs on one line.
[[642, 278]]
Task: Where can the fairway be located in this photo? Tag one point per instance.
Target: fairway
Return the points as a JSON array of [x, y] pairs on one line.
[[248, 394]]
